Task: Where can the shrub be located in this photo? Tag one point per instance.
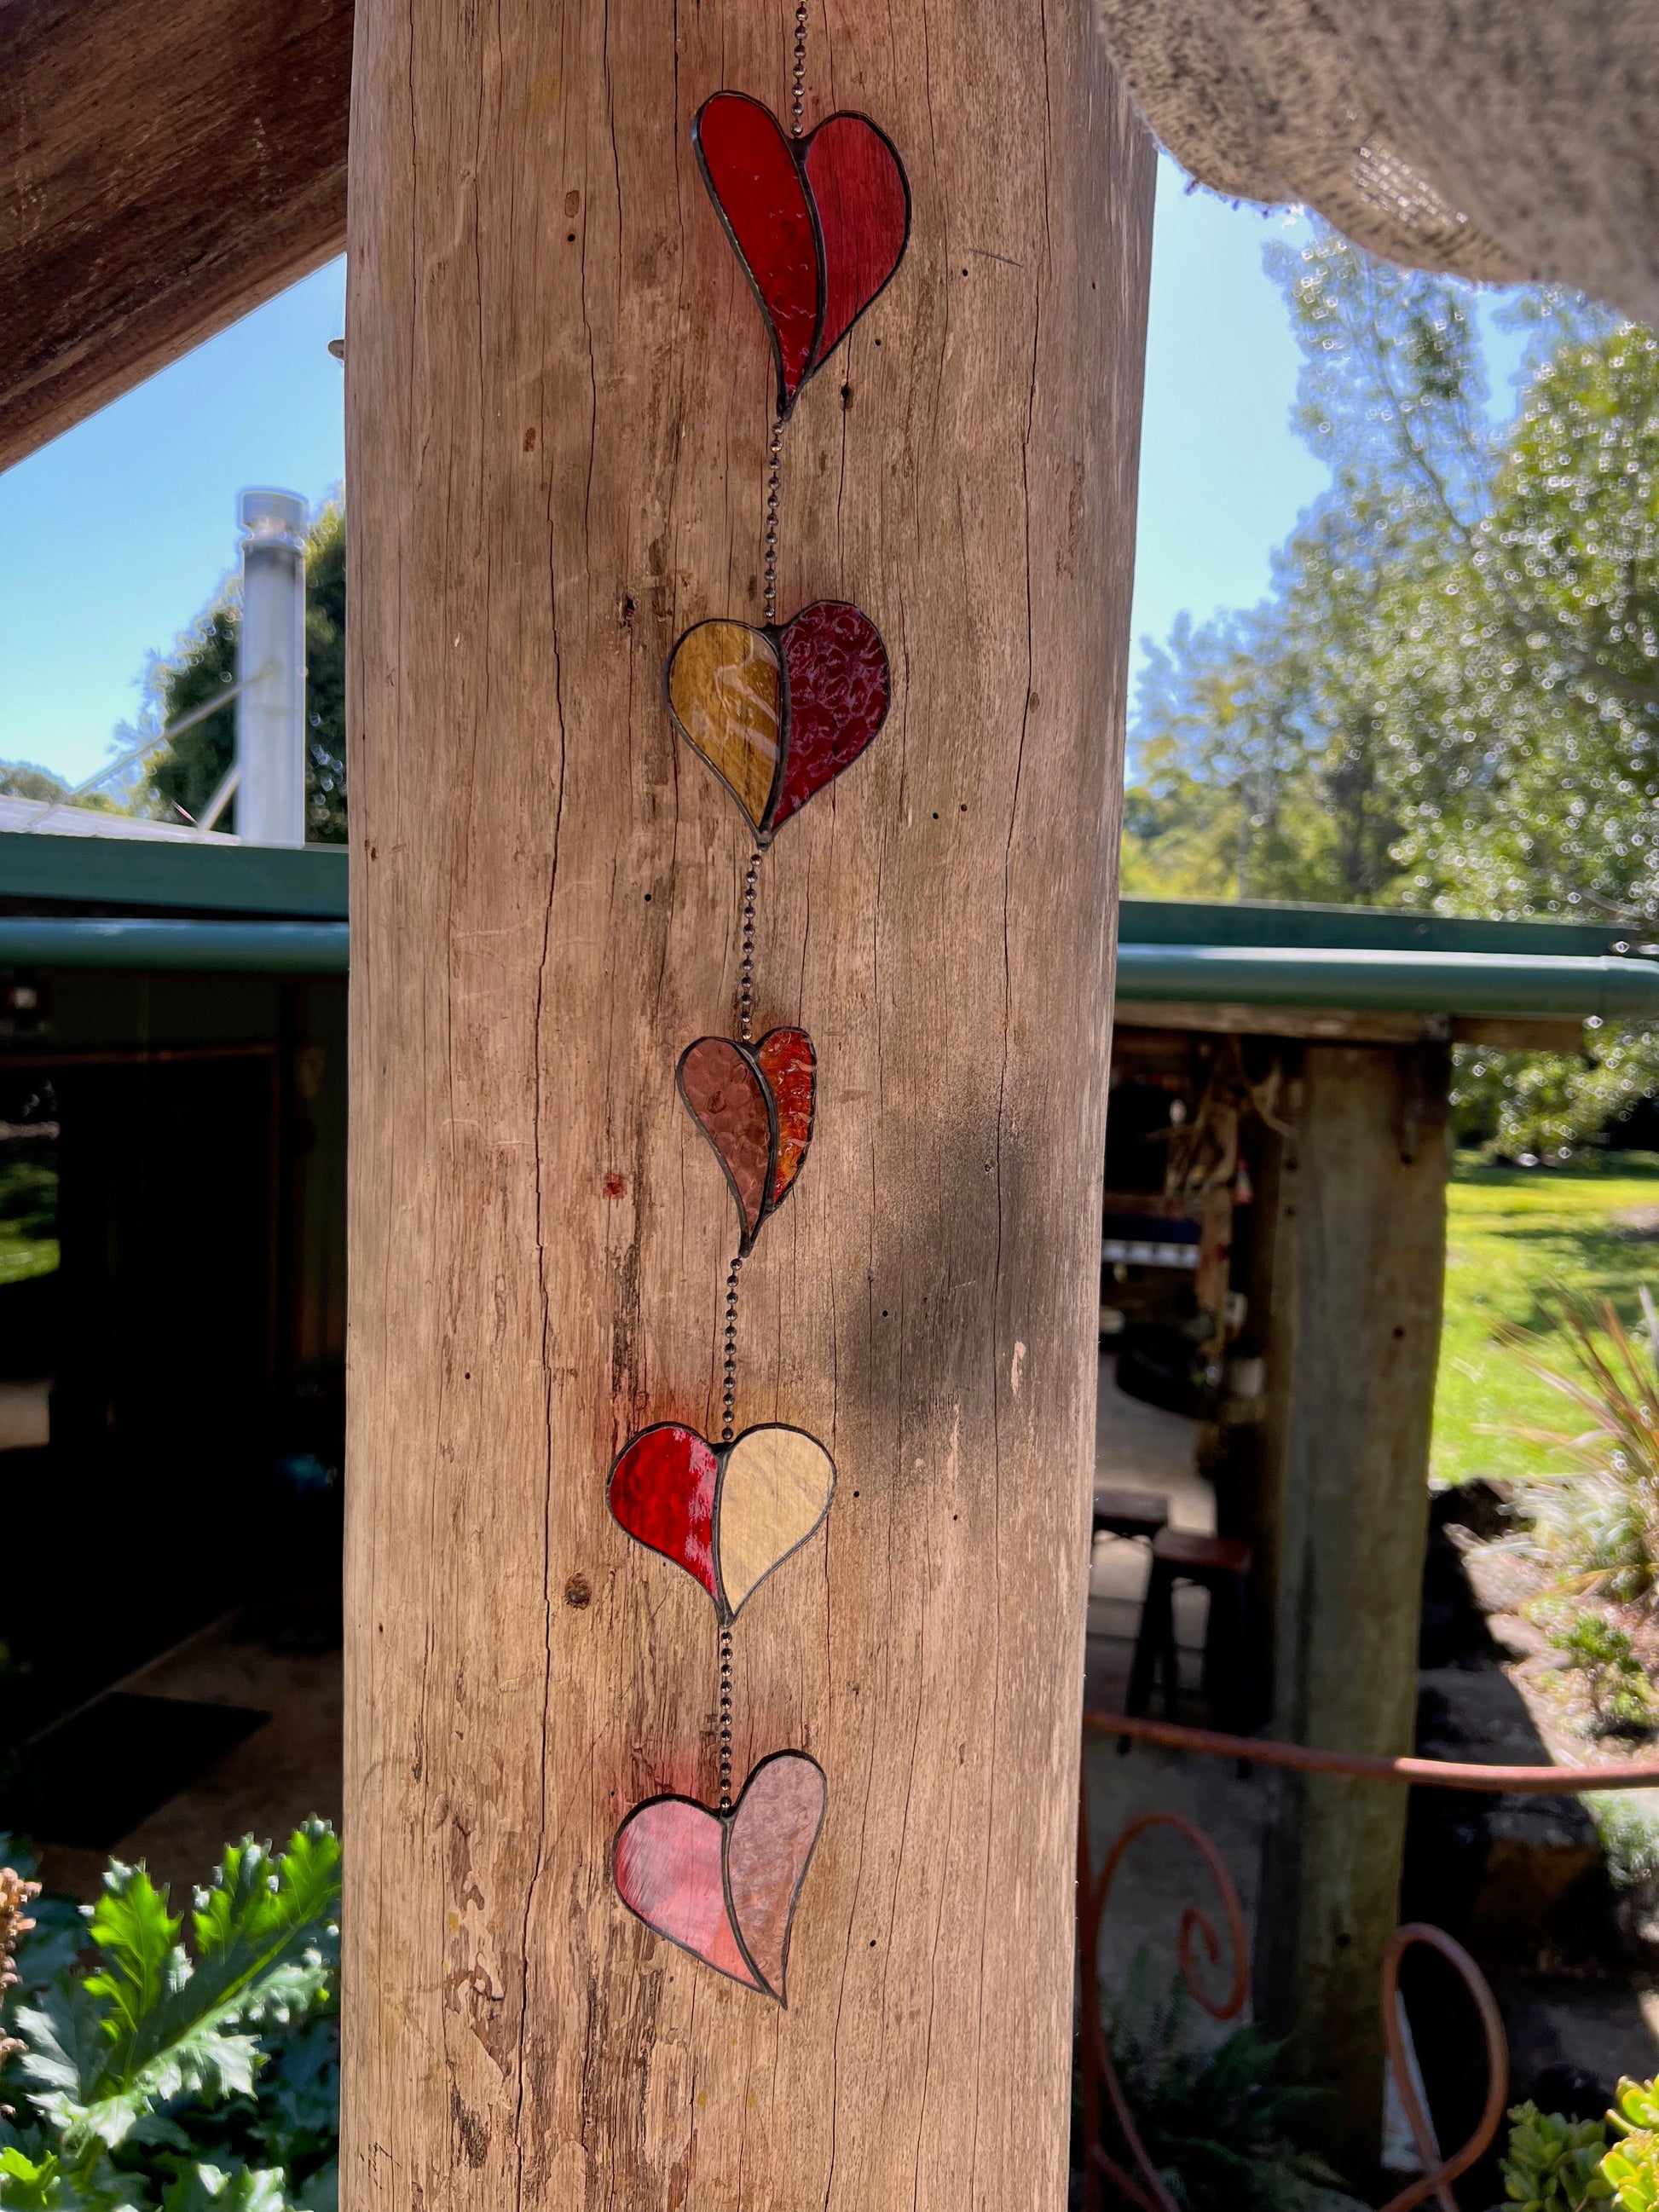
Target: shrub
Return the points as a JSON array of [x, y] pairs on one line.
[[1552, 2164], [1598, 1520], [1222, 2130], [139, 2076], [1631, 2166], [1613, 1674]]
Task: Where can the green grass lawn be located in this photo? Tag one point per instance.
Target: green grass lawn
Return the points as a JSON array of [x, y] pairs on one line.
[[1510, 1232], [22, 1254]]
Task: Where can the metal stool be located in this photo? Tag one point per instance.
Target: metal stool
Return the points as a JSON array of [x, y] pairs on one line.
[[1220, 1565]]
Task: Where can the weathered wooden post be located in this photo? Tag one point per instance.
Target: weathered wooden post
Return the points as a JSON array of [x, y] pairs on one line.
[[558, 416], [1359, 1264]]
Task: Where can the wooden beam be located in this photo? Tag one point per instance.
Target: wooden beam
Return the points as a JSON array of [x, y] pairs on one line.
[[1356, 1025], [1353, 1337], [1513, 1033], [163, 169], [557, 423], [1499, 1032]]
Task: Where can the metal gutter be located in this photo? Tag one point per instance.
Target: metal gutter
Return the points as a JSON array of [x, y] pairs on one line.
[[1356, 980], [247, 948], [1397, 982], [1358, 928]]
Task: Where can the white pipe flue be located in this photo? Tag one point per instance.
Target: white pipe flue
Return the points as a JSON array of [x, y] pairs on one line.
[[270, 710]]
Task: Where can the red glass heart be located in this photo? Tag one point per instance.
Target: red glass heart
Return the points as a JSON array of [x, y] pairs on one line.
[[662, 1492], [730, 1101], [820, 224], [723, 1886], [839, 690], [728, 1514], [790, 1066], [754, 1103], [863, 206]]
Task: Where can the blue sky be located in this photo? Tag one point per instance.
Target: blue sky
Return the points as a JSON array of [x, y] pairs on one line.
[[112, 538], [1222, 477]]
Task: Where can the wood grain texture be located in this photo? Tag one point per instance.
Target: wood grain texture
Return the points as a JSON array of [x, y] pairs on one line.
[[162, 170], [557, 413], [1358, 1274]]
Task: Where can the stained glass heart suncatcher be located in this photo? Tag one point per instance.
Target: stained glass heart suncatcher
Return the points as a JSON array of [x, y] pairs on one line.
[[728, 1514], [820, 223], [754, 1103], [779, 712], [723, 1886]]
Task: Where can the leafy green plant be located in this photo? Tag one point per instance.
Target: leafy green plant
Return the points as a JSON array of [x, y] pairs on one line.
[[1225, 2132], [1627, 1824], [1553, 2164], [1631, 2165], [28, 1218], [158, 2078], [1614, 1680]]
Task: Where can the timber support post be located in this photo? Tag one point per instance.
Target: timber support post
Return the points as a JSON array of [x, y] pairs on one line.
[[1358, 1269], [557, 423]]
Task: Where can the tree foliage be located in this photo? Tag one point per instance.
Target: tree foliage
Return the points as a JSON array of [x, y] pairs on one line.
[[183, 775], [1450, 698]]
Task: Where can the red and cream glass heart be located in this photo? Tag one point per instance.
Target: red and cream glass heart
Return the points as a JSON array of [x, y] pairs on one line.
[[728, 1514], [778, 713], [754, 1103], [820, 224], [723, 1886]]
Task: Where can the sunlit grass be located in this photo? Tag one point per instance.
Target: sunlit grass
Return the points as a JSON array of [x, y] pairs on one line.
[[22, 1254], [1510, 1233]]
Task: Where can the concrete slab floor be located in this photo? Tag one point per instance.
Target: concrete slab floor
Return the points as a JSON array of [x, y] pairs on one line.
[[1139, 1447], [285, 1771]]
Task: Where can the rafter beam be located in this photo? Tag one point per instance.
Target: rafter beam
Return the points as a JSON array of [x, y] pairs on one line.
[[162, 170]]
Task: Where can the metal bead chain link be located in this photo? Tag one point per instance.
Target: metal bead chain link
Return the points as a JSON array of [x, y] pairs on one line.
[[746, 966], [729, 1360], [725, 1718], [798, 76], [746, 972], [774, 478]]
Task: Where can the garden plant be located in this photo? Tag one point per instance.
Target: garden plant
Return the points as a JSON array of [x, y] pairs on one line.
[[138, 2074]]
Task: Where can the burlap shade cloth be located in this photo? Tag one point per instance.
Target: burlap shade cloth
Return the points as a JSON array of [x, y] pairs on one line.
[[1510, 140]]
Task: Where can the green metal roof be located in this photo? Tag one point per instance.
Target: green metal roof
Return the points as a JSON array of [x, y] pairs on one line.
[[106, 872], [1358, 928], [1359, 978], [102, 903], [40, 869]]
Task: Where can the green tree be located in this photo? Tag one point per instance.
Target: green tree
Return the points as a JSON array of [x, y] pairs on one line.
[[23, 779], [1285, 718], [182, 776], [1451, 696]]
